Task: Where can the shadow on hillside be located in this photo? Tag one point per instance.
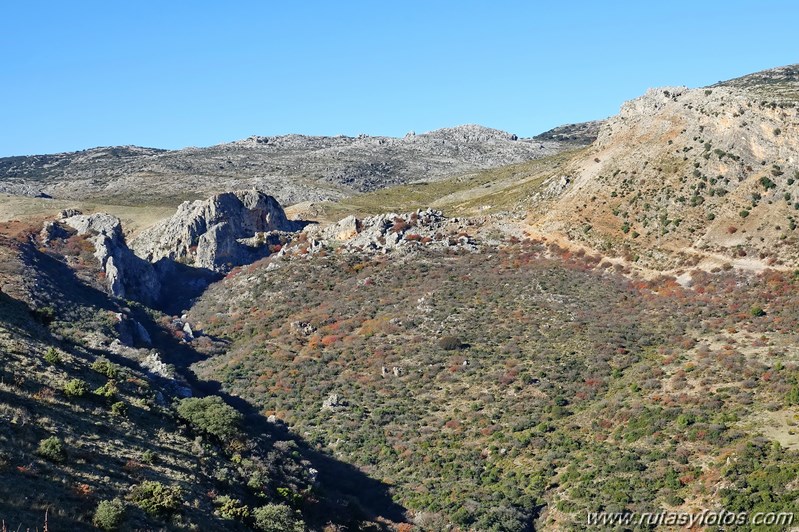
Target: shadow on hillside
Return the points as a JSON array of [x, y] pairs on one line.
[[344, 482], [181, 284], [349, 491]]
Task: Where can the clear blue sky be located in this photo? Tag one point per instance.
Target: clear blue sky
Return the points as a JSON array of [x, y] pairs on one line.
[[171, 74]]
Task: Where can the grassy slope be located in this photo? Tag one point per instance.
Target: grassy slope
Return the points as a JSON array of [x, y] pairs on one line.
[[496, 190], [134, 217]]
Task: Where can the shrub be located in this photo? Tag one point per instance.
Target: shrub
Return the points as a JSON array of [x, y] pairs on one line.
[[108, 514], [211, 415], [450, 343], [52, 449], [767, 183], [119, 409], [744, 213], [155, 498], [757, 311], [230, 508], [793, 396], [149, 457], [277, 518], [75, 388], [107, 390], [106, 367], [52, 356]]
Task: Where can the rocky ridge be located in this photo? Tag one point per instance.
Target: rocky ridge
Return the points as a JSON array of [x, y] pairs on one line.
[[293, 168], [714, 170], [389, 232], [126, 275]]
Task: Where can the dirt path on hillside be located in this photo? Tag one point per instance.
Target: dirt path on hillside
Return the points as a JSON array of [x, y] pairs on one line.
[[708, 261]]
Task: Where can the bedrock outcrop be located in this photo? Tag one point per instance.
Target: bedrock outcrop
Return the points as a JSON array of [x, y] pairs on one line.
[[219, 233]]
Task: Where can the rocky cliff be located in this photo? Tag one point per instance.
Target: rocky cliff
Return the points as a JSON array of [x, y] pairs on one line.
[[226, 230], [126, 275]]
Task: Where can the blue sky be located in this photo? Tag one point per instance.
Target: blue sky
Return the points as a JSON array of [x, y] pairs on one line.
[[75, 75]]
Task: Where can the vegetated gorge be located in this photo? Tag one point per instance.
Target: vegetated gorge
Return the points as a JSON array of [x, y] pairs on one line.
[[457, 330]]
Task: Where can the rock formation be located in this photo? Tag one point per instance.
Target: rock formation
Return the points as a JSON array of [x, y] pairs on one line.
[[127, 275], [391, 231], [224, 231]]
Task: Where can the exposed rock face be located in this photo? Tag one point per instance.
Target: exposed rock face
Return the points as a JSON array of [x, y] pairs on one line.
[[224, 231], [127, 275], [574, 134]]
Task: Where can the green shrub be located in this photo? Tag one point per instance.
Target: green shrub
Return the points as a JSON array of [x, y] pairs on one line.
[[211, 415], [757, 311], [106, 367], [75, 388], [277, 518], [107, 390], [767, 183], [155, 498], [149, 457], [230, 508], [52, 449], [119, 409], [52, 356], [744, 213], [793, 396], [109, 514]]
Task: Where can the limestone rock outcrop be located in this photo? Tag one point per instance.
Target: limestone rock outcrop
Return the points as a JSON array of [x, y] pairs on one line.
[[391, 232], [217, 234], [127, 275]]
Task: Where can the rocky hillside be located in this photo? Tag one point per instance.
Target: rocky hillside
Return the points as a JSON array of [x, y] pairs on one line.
[[103, 427], [516, 385], [292, 168], [694, 171]]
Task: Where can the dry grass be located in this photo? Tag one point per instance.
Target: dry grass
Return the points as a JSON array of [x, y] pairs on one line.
[[134, 217]]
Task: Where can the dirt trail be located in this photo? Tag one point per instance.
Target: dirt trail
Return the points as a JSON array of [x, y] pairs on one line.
[[708, 261]]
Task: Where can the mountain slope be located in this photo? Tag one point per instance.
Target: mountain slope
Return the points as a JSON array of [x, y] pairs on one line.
[[522, 385], [95, 426], [292, 168]]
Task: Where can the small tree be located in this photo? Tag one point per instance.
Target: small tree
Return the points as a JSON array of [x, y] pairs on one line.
[[52, 356], [211, 415]]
